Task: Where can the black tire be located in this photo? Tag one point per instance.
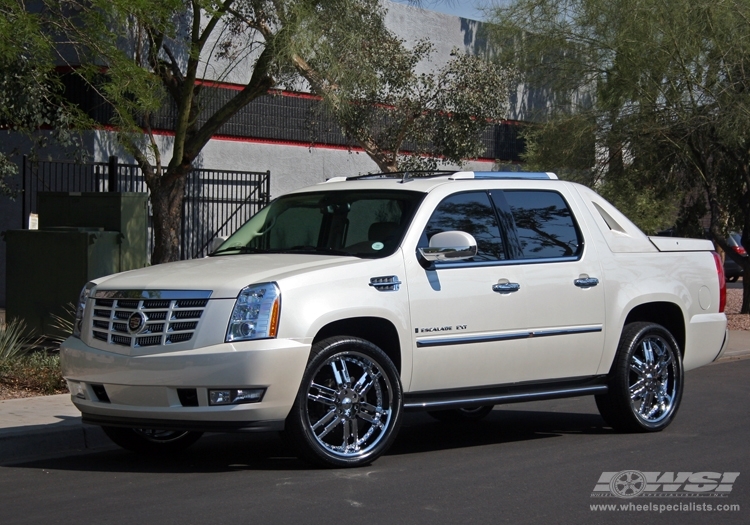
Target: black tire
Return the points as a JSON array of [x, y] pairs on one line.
[[349, 406], [457, 415], [646, 380], [733, 279], [151, 441]]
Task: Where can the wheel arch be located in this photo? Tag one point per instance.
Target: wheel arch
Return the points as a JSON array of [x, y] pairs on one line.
[[379, 331], [665, 313]]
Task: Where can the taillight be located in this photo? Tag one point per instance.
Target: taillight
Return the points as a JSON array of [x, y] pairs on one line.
[[722, 282], [740, 250]]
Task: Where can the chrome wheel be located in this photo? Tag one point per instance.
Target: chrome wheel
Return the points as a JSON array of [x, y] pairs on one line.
[[349, 405], [646, 380], [653, 383]]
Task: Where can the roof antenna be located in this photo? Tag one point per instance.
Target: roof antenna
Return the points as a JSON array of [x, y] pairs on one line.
[[406, 177]]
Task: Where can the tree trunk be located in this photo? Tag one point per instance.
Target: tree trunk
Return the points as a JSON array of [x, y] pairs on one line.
[[166, 203], [744, 262], [745, 309]]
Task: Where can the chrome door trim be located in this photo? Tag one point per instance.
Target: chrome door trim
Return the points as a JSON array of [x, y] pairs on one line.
[[450, 341]]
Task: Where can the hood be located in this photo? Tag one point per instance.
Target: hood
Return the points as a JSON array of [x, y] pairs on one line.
[[224, 275]]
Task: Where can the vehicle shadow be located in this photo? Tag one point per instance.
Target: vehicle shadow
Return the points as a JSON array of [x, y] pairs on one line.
[[423, 434], [271, 452]]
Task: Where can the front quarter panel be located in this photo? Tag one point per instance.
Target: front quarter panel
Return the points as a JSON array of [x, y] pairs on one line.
[[310, 301]]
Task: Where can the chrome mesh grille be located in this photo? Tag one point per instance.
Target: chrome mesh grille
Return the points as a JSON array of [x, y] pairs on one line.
[[160, 321]]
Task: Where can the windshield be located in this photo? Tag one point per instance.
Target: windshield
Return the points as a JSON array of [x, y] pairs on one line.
[[357, 223]]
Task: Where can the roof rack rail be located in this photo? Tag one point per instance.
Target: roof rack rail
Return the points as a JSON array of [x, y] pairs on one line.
[[407, 176], [521, 175]]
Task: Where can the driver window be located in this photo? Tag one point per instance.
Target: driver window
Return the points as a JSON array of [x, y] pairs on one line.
[[295, 227], [373, 220], [472, 213]]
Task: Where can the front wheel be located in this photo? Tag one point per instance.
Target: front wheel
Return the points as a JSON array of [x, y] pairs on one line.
[[646, 381], [151, 441], [349, 406]]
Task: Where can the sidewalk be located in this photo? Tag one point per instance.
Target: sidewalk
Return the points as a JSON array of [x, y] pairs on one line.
[[37, 427]]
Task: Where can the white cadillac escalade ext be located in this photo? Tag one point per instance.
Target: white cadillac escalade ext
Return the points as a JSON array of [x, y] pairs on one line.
[[340, 306]]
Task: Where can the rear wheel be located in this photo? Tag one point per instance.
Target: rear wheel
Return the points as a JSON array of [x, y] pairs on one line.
[[646, 381], [349, 406], [456, 415], [151, 441]]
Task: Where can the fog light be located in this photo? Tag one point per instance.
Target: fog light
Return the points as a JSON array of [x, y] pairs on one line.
[[77, 389], [248, 396], [235, 396]]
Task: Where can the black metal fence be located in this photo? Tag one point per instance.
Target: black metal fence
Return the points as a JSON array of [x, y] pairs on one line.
[[216, 202]]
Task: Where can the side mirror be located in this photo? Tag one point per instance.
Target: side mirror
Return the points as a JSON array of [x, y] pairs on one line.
[[450, 246]]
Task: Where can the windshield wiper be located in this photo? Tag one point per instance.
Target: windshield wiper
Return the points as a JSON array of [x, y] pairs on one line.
[[238, 249], [294, 249], [311, 250]]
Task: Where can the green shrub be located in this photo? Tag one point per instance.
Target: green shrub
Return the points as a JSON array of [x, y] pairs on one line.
[[37, 372], [25, 365], [14, 341], [62, 325]]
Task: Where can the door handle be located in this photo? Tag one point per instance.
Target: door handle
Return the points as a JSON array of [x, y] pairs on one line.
[[505, 288], [586, 282]]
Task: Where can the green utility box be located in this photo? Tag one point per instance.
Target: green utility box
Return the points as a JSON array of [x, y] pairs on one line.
[[46, 269], [126, 213]]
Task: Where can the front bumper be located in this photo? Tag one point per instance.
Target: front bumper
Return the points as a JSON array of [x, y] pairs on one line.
[[144, 391]]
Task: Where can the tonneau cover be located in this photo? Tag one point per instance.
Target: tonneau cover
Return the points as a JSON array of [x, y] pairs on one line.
[[680, 244]]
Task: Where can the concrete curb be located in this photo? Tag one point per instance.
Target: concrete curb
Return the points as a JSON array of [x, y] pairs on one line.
[[34, 443], [739, 345], [38, 427]]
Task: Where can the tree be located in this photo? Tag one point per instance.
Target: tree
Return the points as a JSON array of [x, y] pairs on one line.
[[384, 106], [30, 93], [142, 56], [649, 102]]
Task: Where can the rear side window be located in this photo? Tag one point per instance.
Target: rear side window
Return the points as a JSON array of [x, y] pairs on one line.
[[544, 224]]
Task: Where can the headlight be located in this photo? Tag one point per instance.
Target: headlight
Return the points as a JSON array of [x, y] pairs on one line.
[[81, 308], [256, 313]]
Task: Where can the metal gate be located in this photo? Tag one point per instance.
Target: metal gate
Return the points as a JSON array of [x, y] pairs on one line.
[[216, 202]]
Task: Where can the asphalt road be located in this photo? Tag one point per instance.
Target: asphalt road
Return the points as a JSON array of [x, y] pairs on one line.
[[527, 463]]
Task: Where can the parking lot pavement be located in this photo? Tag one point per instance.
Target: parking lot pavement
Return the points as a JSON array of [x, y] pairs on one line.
[[47, 426]]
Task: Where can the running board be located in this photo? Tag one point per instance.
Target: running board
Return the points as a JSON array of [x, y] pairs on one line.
[[503, 394]]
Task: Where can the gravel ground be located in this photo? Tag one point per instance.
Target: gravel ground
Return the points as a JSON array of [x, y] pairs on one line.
[[736, 321]]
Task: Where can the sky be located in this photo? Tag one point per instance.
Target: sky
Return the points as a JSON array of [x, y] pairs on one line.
[[466, 8]]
